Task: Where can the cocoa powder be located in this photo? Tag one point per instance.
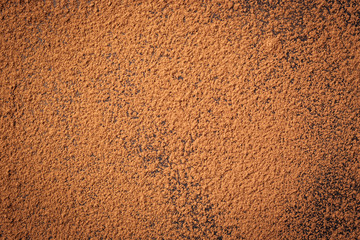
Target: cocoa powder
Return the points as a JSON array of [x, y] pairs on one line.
[[180, 119]]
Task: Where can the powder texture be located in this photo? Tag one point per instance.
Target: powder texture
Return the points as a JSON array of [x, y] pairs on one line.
[[179, 119]]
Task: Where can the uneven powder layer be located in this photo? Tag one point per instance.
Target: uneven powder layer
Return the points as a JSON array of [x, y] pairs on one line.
[[179, 120]]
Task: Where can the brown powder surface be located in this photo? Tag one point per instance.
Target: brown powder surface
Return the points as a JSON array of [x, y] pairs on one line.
[[179, 119]]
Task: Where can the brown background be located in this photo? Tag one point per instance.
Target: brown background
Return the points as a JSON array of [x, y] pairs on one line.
[[180, 120]]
